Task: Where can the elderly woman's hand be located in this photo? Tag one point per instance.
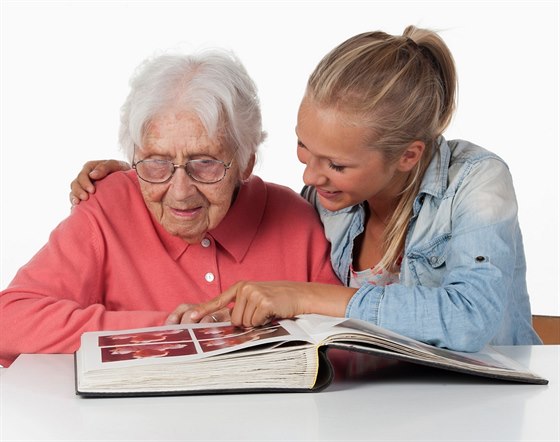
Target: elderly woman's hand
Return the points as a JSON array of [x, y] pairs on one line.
[[82, 186], [183, 315]]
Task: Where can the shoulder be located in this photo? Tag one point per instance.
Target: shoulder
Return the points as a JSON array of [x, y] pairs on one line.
[[466, 153], [280, 197], [284, 208], [116, 213], [117, 198], [470, 162], [479, 180], [278, 192], [122, 180], [116, 189]]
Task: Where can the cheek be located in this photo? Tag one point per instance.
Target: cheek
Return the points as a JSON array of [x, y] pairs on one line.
[[219, 200], [374, 183], [357, 187], [348, 182], [153, 193]]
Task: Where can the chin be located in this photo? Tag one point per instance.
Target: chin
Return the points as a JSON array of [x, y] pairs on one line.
[[333, 205], [188, 236], [191, 239]]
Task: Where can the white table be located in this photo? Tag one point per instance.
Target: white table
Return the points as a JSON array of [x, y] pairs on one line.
[[398, 402]]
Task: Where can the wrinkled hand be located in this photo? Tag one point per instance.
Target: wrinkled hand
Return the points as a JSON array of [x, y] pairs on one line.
[[83, 185], [182, 315], [257, 303]]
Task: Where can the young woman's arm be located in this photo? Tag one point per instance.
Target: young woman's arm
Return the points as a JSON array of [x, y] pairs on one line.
[[83, 185]]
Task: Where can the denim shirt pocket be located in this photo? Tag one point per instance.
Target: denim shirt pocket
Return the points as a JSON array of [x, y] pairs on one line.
[[427, 261]]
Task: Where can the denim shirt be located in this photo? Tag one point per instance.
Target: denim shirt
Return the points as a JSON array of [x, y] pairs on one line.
[[462, 278]]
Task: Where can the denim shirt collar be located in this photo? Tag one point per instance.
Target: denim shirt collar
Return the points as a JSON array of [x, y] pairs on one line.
[[435, 179]]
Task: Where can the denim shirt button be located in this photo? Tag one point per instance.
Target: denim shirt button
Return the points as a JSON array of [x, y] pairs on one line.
[[434, 259]]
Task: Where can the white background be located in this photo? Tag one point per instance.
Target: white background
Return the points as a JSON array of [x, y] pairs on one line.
[[65, 68]]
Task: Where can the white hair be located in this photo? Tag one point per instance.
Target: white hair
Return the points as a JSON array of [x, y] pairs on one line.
[[213, 84]]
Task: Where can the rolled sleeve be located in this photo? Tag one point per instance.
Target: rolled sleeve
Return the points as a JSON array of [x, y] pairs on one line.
[[365, 303]]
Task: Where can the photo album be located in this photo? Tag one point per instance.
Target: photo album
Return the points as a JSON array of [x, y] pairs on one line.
[[285, 355]]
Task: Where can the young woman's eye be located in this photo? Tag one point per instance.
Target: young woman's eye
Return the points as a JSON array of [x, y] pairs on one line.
[[336, 167]]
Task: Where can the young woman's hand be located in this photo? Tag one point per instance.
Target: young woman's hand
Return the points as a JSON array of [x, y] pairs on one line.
[[83, 185], [257, 303]]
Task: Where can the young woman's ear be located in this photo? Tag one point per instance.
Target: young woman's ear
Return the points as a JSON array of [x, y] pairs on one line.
[[249, 169], [411, 156]]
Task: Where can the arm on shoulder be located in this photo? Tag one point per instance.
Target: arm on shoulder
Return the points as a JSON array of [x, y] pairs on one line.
[[84, 184]]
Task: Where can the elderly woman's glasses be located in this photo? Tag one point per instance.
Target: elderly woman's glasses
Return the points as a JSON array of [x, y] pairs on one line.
[[205, 171]]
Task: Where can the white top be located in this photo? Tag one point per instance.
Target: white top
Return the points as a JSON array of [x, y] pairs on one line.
[[396, 401]]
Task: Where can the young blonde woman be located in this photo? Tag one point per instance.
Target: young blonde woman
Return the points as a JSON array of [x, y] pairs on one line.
[[424, 231]]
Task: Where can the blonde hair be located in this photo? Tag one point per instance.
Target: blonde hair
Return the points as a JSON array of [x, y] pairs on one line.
[[403, 88]]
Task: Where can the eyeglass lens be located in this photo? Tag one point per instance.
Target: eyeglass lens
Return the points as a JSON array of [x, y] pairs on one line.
[[159, 171]]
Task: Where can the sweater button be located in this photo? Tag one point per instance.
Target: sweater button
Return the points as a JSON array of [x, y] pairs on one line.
[[209, 277]]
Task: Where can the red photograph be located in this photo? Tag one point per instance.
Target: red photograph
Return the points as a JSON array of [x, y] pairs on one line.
[[160, 350], [144, 337]]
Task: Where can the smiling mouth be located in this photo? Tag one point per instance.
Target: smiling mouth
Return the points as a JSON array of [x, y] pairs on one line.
[[186, 213], [327, 194]]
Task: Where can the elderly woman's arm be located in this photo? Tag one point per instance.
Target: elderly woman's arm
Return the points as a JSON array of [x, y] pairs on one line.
[[83, 185], [61, 293]]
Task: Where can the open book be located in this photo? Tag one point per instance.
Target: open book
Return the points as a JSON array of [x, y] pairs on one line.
[[287, 355]]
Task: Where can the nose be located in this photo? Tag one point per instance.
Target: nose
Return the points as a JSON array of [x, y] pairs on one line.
[[181, 185], [312, 175]]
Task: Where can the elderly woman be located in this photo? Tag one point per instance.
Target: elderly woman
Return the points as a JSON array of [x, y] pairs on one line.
[[187, 222]]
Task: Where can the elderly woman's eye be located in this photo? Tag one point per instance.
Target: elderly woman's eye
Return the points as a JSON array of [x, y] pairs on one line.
[[206, 163], [202, 166], [156, 167], [158, 164]]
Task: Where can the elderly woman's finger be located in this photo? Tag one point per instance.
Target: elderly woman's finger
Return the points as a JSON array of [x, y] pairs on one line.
[[177, 315], [219, 316]]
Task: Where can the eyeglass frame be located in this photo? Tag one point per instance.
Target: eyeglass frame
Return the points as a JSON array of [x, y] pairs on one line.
[[227, 166]]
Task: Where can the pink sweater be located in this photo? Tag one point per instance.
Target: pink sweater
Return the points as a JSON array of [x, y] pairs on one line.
[[111, 266]]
